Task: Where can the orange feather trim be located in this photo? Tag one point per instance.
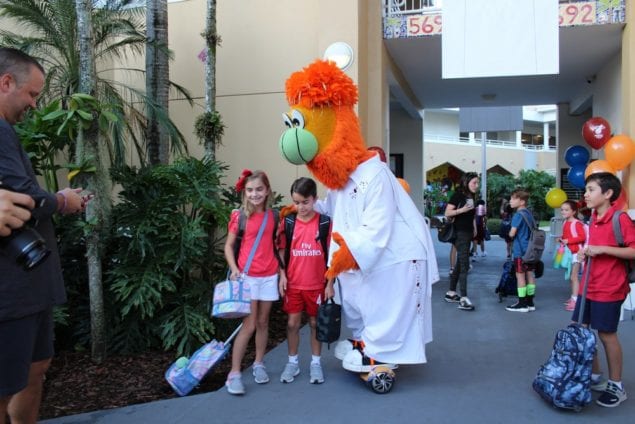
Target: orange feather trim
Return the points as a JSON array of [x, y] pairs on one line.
[[321, 83]]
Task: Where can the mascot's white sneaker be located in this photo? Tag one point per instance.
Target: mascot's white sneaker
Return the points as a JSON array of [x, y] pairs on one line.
[[345, 346], [356, 361]]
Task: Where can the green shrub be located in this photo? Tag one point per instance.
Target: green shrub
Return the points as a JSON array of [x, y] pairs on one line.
[[166, 252]]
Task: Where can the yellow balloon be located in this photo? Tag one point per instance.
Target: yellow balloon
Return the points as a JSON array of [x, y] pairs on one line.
[[555, 197]]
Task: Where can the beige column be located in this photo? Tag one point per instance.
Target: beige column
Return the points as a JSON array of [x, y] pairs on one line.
[[628, 94], [373, 106]]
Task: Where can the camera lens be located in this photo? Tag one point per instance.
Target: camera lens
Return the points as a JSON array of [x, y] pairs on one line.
[[28, 247]]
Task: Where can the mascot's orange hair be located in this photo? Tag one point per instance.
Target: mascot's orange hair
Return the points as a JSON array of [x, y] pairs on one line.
[[323, 85]]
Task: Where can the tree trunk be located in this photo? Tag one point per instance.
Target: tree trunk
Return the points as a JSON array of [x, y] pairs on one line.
[[98, 210], [157, 79], [211, 40]]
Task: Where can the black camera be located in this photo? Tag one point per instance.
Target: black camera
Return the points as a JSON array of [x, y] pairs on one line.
[[25, 244]]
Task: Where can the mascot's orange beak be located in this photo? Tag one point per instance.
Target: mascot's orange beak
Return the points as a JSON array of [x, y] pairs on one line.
[[309, 133]]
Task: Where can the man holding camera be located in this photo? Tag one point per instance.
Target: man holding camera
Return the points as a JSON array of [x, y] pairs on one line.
[[27, 296], [14, 211]]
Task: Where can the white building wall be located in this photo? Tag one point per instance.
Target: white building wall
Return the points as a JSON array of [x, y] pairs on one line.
[[405, 138], [607, 95]]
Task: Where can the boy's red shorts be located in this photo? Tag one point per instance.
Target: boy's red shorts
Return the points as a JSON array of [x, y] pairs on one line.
[[522, 267], [296, 301]]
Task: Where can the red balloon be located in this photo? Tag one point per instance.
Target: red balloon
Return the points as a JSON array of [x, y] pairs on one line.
[[596, 132], [622, 201]]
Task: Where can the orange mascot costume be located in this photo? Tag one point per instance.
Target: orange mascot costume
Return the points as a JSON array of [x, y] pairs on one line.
[[381, 250]]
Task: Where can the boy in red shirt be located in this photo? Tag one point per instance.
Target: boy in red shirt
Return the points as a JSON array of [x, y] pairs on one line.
[[608, 282], [302, 284]]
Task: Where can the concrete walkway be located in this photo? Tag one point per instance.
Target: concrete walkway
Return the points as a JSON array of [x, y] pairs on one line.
[[480, 368]]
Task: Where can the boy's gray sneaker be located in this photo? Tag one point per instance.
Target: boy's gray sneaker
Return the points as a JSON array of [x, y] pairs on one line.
[[260, 374], [289, 372], [235, 385], [317, 376], [612, 396]]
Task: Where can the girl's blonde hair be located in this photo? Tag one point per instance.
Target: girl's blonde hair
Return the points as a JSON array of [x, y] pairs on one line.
[[248, 176]]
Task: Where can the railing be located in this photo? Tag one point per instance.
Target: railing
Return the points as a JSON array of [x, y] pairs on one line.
[[411, 7], [435, 138]]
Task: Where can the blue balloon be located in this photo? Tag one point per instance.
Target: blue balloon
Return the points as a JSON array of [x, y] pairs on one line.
[[576, 155], [575, 175]]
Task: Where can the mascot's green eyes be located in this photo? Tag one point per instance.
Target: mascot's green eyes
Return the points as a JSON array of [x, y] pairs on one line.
[[296, 120]]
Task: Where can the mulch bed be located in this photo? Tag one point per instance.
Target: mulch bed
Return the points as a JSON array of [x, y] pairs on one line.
[[74, 384]]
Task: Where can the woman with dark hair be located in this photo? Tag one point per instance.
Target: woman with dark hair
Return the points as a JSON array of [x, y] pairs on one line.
[[460, 208]]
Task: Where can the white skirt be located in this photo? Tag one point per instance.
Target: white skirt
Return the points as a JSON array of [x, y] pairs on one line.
[[390, 310]]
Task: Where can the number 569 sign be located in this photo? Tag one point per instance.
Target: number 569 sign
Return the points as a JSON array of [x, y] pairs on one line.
[[424, 25]]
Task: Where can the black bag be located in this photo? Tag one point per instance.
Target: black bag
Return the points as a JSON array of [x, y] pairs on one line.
[[447, 232], [329, 320], [507, 285]]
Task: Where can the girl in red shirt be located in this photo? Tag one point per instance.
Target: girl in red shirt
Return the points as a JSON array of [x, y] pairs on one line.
[[262, 275], [573, 237]]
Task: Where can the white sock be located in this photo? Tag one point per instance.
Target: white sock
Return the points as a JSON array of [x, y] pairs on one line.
[[293, 359], [315, 359], [575, 298], [617, 383]]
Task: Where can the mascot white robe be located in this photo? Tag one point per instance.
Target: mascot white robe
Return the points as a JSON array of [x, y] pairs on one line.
[[387, 302]]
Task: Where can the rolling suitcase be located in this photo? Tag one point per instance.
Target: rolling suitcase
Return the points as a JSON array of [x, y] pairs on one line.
[[564, 380]]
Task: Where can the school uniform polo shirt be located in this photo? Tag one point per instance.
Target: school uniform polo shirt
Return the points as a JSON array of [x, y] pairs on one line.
[[608, 279], [264, 262], [307, 262]]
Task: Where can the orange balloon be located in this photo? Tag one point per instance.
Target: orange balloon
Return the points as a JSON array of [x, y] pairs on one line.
[[619, 151], [598, 166]]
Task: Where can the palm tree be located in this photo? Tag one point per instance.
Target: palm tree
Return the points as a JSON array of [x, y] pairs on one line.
[[157, 78], [209, 127], [48, 31]]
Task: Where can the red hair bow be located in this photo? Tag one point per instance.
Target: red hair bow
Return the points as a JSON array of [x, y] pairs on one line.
[[240, 184]]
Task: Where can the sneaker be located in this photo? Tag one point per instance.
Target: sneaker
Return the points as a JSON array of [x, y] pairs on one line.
[[612, 396], [356, 361], [260, 374], [569, 305], [345, 346], [452, 298], [235, 385], [483, 254], [518, 307], [289, 372], [530, 305], [316, 374], [465, 304], [598, 385]]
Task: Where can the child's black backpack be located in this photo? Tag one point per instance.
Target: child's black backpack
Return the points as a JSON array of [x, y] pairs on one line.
[[323, 234], [507, 285]]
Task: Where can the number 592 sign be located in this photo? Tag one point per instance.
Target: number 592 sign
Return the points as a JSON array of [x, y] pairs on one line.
[[582, 13]]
